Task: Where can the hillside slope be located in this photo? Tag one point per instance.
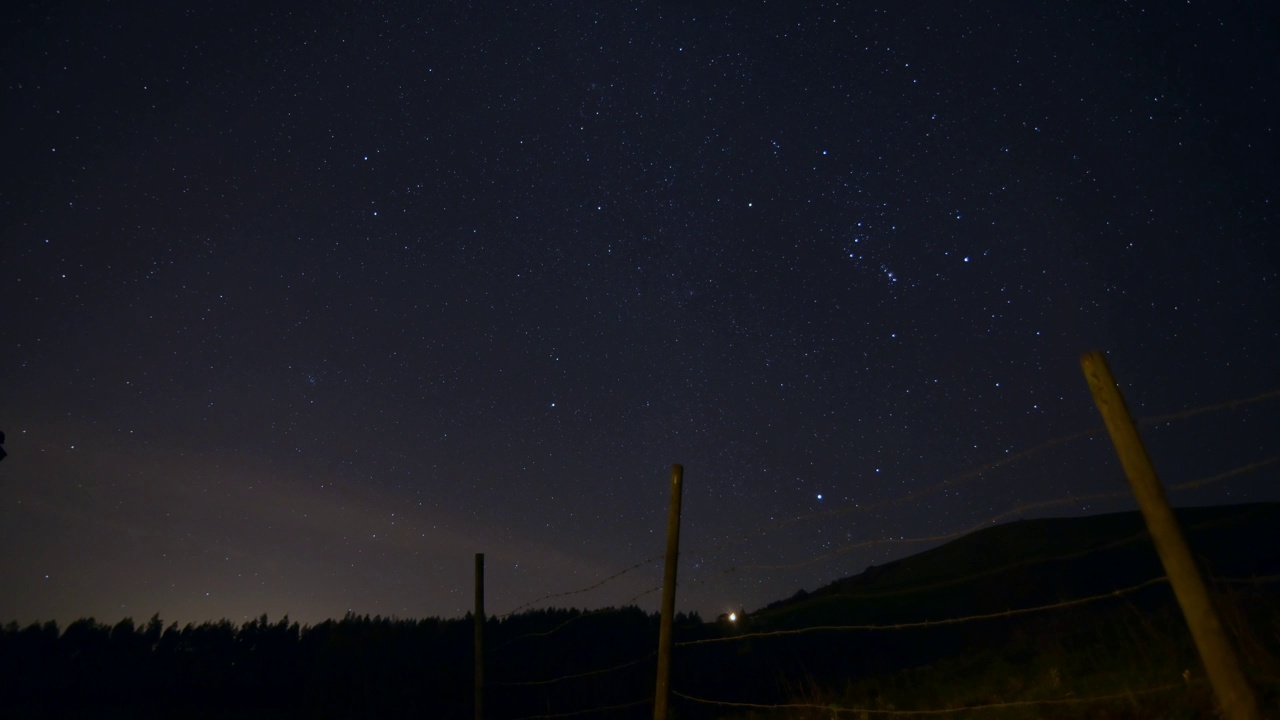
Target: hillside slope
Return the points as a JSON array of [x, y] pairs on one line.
[[845, 641], [1034, 562]]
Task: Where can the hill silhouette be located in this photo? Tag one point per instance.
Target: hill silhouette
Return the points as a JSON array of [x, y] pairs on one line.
[[1027, 563], [1080, 599]]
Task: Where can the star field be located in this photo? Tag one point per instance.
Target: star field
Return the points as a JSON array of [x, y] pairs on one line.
[[307, 304]]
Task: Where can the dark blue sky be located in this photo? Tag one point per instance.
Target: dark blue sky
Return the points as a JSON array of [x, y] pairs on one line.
[[303, 307]]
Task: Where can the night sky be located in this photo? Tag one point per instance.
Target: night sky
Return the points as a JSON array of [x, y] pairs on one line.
[[306, 303]]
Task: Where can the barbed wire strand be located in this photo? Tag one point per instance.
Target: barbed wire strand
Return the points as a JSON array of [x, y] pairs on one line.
[[602, 611], [1008, 460], [646, 592], [861, 508], [931, 623], [845, 549], [588, 588], [1067, 603], [581, 614], [938, 711], [1255, 580], [956, 480], [968, 578], [950, 482], [590, 673], [1137, 537], [1019, 510], [1228, 405], [590, 710], [896, 626], [1252, 580], [964, 477], [1192, 484]]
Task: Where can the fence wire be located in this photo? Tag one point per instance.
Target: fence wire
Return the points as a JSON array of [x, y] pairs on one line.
[[951, 482], [580, 616], [935, 711], [589, 588], [590, 673], [1185, 414], [973, 474], [986, 523], [928, 623], [575, 713]]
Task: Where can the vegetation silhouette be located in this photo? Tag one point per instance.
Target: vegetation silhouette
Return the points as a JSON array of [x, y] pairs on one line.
[[602, 663]]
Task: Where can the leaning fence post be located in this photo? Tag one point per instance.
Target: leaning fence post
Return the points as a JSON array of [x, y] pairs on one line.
[[1220, 660], [663, 691], [479, 638]]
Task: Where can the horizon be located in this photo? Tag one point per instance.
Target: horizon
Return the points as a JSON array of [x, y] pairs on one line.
[[306, 304]]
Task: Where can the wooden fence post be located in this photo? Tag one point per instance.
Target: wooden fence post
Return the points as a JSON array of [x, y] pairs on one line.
[[663, 691], [479, 638], [1216, 652]]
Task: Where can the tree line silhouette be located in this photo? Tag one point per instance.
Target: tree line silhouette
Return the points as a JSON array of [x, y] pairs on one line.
[[358, 666], [879, 639]]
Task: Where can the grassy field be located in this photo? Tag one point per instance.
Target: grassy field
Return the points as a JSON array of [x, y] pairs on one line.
[[1141, 659]]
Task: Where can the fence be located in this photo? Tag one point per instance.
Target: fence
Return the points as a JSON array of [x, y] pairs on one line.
[[777, 641]]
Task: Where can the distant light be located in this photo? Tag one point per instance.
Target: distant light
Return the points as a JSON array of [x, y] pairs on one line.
[[819, 496], [733, 617]]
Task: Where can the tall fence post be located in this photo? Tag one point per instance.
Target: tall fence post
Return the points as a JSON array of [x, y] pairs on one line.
[[1216, 652], [479, 638], [663, 691]]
